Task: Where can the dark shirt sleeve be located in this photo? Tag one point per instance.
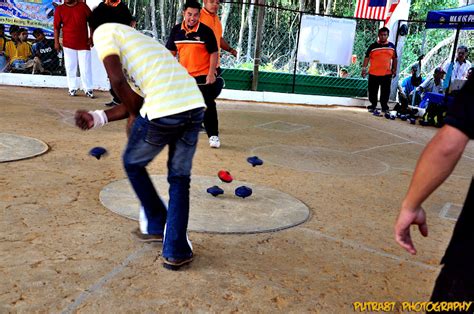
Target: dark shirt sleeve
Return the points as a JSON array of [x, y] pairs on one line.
[[461, 113], [170, 45], [211, 42]]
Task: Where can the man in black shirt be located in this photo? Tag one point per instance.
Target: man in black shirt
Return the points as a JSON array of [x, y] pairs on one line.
[[111, 11], [45, 56], [456, 280]]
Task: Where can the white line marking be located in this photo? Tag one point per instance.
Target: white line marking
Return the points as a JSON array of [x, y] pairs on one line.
[[99, 284], [362, 247], [380, 146]]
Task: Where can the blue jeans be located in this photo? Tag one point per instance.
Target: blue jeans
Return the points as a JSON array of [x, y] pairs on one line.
[[147, 139]]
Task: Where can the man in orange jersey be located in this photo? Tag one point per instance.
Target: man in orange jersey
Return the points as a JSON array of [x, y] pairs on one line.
[[196, 47], [382, 56]]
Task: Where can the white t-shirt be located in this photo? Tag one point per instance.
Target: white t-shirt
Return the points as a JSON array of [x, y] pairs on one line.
[[459, 70], [431, 87]]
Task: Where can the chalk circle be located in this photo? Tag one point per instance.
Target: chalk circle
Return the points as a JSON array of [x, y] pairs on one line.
[[266, 210], [16, 147], [322, 160]]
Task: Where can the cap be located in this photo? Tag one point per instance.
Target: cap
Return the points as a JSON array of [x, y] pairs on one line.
[[439, 70]]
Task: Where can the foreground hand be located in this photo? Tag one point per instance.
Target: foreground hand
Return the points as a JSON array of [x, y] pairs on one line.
[[210, 78], [406, 218], [84, 120], [364, 73]]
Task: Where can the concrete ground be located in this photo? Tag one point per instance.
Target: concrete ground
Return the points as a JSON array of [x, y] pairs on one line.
[[62, 251]]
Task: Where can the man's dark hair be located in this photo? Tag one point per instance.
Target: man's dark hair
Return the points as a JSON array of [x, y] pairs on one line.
[[384, 29], [37, 31], [2, 26], [464, 48], [14, 29], [192, 4], [21, 30]]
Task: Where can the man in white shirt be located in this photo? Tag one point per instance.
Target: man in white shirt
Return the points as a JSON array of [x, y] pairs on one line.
[[461, 65], [433, 84]]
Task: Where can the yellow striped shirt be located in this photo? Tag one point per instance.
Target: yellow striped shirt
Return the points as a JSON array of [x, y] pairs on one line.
[[151, 70]]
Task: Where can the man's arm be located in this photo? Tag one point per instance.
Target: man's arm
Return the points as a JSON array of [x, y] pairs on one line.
[[364, 67], [225, 45], [57, 28], [132, 101], [394, 66], [442, 153], [211, 76]]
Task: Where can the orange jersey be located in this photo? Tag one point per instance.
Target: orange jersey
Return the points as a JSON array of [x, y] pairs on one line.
[[213, 22], [194, 47], [380, 58]]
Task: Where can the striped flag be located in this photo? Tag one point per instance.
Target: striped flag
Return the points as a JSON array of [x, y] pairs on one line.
[[392, 8], [371, 9]]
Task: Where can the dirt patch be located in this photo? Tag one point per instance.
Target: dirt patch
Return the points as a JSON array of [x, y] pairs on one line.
[[63, 251]]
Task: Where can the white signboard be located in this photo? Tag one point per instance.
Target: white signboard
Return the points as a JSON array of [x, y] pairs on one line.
[[326, 40]]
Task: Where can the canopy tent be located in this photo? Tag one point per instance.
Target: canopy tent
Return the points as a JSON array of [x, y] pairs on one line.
[[461, 18], [457, 18]]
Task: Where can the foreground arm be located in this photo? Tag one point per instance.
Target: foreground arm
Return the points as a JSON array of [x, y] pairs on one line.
[[131, 101], [211, 76], [442, 153], [364, 67]]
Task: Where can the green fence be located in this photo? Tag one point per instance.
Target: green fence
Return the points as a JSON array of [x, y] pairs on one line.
[[304, 84]]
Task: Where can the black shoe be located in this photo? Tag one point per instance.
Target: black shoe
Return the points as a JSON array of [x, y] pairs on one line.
[[175, 263], [147, 237], [111, 104]]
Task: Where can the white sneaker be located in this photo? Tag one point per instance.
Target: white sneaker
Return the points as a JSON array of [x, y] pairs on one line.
[[89, 94], [72, 92], [214, 142]]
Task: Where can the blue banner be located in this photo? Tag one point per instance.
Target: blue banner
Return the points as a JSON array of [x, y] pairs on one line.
[[28, 14]]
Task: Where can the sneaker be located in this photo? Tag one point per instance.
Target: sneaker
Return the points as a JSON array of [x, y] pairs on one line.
[[370, 109], [147, 237], [175, 263], [111, 104], [214, 142], [73, 92], [89, 94]]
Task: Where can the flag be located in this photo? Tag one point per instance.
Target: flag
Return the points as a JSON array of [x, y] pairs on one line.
[[392, 8], [397, 10], [371, 9]]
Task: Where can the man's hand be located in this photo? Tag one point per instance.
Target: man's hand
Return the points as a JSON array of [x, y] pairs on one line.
[[406, 218], [233, 52], [394, 73], [130, 121], [57, 46], [210, 78], [84, 120], [364, 72]]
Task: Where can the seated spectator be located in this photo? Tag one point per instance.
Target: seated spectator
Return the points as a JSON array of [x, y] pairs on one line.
[[45, 56], [407, 87], [3, 43], [18, 50], [343, 73], [434, 84]]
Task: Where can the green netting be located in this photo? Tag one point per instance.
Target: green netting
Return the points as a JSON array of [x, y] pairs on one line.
[[304, 84]]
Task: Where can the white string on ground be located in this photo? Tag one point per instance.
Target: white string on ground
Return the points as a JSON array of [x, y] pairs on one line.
[[102, 281], [362, 247]]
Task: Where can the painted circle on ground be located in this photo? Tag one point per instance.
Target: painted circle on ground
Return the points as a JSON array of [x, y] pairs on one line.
[[16, 147], [265, 211], [322, 160]]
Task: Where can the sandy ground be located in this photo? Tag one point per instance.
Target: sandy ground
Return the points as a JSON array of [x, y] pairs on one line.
[[62, 251]]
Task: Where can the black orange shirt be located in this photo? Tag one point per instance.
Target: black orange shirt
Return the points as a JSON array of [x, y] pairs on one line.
[[194, 47], [380, 58]]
